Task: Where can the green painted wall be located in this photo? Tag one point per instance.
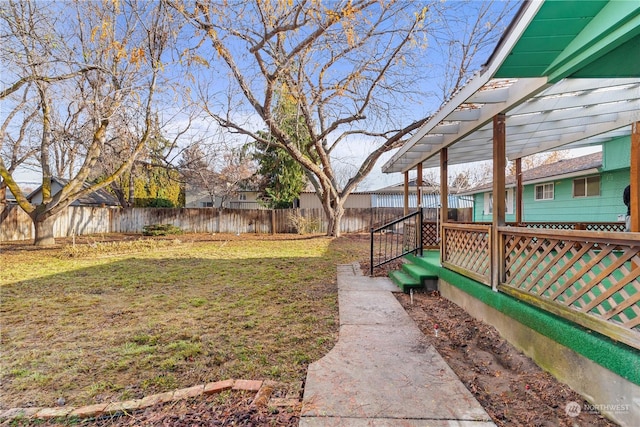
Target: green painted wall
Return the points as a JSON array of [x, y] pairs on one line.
[[478, 210], [566, 208], [616, 154]]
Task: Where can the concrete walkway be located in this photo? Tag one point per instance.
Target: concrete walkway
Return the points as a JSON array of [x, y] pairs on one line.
[[382, 372]]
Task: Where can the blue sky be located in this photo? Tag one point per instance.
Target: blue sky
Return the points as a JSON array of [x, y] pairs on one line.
[[352, 153]]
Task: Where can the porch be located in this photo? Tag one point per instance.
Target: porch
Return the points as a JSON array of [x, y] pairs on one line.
[[567, 298], [541, 91], [576, 271]]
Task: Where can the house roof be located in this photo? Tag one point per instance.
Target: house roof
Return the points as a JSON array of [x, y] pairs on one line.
[[562, 168], [566, 74], [428, 186], [97, 198]]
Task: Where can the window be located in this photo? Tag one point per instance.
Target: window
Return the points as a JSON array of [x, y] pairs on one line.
[[242, 196], [586, 187], [544, 192], [508, 198], [207, 204]]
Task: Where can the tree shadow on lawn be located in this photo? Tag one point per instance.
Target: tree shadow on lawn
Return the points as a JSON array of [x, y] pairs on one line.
[[138, 326]]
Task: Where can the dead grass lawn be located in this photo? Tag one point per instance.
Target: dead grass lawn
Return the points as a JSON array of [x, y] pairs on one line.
[[102, 321]]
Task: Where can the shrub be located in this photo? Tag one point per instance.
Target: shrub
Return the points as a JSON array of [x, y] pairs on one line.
[[108, 248], [304, 225], [160, 230]]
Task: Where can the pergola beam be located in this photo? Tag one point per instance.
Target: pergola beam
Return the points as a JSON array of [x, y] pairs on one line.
[[576, 109]]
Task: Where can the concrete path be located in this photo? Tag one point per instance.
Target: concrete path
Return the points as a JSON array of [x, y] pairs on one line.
[[382, 372]]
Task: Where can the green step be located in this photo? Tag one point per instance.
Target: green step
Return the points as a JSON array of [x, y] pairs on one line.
[[430, 261], [404, 281], [419, 273]]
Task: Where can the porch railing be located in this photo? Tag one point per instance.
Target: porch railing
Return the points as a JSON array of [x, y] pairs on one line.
[[466, 249], [396, 239], [431, 234], [590, 278]]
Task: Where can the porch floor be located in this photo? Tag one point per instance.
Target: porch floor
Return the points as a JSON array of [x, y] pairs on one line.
[[382, 371]]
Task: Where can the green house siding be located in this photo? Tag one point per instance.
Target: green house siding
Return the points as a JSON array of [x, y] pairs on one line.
[[478, 210], [615, 154], [564, 207]]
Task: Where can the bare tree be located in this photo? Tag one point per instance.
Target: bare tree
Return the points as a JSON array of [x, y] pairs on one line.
[[469, 28], [17, 143], [354, 70], [539, 159], [218, 170], [85, 64]]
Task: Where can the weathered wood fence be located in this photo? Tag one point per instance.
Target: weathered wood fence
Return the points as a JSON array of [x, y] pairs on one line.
[[16, 225]]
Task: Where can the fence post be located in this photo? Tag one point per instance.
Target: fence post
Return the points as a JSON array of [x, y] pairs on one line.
[[371, 254], [273, 221]]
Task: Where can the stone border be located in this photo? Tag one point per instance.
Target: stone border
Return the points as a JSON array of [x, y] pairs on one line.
[[263, 391]]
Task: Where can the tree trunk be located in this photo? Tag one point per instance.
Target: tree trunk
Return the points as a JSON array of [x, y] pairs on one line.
[[3, 196], [335, 214], [44, 230], [132, 190]]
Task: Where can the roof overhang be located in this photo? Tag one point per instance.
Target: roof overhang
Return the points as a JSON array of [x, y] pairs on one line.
[[566, 98]]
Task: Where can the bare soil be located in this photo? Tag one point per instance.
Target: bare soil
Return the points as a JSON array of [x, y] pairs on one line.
[[511, 387]]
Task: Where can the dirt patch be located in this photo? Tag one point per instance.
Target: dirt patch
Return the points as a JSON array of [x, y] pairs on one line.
[[511, 387]]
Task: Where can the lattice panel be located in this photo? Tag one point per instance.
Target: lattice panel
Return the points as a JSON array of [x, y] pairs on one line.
[[550, 225], [430, 235], [469, 250], [605, 226], [596, 278], [410, 237]]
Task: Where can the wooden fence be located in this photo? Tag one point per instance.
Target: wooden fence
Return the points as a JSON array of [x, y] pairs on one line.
[[16, 225]]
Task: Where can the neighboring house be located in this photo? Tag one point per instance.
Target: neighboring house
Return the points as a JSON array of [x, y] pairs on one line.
[[582, 189], [392, 197], [244, 199], [98, 198], [388, 197], [310, 200], [26, 187]]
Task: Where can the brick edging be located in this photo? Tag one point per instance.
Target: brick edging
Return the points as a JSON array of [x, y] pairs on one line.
[[263, 391]]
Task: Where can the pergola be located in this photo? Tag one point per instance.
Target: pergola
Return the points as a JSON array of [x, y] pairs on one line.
[[566, 74]]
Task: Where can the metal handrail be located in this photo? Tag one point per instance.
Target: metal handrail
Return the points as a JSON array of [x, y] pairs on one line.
[[393, 244]]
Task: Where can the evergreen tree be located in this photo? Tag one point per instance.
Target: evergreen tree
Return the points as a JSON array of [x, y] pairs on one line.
[[282, 178]]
